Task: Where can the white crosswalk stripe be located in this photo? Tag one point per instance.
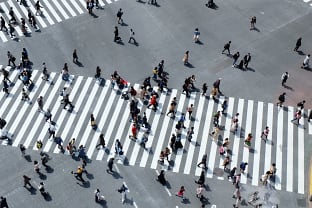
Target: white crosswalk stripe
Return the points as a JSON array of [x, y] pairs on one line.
[[53, 12], [284, 144]]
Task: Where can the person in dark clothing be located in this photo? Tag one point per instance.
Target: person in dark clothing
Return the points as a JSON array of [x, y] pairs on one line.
[[281, 99], [227, 47], [298, 44], [67, 102], [75, 56], [203, 161], [201, 180], [205, 88], [110, 165], [232, 173], [235, 58], [101, 141], [116, 35], [27, 181], [161, 178]]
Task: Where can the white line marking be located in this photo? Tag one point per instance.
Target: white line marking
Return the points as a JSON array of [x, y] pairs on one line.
[[51, 9], [44, 12], [279, 149], [290, 150], [68, 7], [301, 169]]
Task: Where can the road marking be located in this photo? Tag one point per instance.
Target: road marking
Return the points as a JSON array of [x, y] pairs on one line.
[[6, 12], [44, 12], [68, 7], [18, 15], [51, 9], [247, 131], [76, 6], [269, 143], [310, 123], [42, 23], [60, 8], [290, 152], [301, 170], [258, 140], [279, 148]]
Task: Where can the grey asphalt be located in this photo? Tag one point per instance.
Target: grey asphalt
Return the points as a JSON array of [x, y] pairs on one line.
[[165, 32]]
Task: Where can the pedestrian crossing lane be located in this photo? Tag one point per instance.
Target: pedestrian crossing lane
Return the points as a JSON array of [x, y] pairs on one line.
[[6, 13], [45, 14]]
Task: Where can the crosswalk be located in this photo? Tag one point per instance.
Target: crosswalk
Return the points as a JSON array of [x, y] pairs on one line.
[[285, 146], [53, 11], [308, 2]]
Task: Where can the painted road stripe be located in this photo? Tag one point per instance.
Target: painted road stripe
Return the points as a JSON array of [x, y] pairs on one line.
[[310, 123], [34, 111], [68, 7], [108, 1], [199, 112], [237, 135], [74, 115], [51, 9], [6, 12], [42, 23], [77, 7], [161, 138], [247, 131], [164, 129], [205, 136], [18, 15], [179, 153], [63, 113], [83, 3], [45, 14], [290, 150], [301, 169], [60, 9], [279, 148], [3, 37], [269, 143], [258, 140]]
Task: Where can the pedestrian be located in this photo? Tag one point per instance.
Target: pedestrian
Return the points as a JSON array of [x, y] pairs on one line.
[[204, 88], [78, 174], [190, 133], [38, 6], [203, 162], [48, 115], [153, 103], [300, 105], [5, 87], [45, 72], [224, 106], [44, 158], [235, 58], [310, 116], [116, 35], [162, 157], [36, 167], [215, 132], [153, 2], [226, 145], [23, 149], [237, 202], [122, 190], [119, 15], [216, 118], [242, 166], [181, 192], [11, 31], [284, 78], [11, 59], [92, 120], [52, 130], [101, 141], [11, 13], [196, 35], [27, 181], [2, 24], [132, 36], [172, 106], [110, 165], [216, 85], [248, 140], [3, 202], [144, 121], [236, 193], [97, 196], [234, 125], [253, 21], [227, 47], [298, 44], [40, 103], [190, 110], [118, 148], [297, 117], [199, 192], [34, 23], [172, 142], [24, 95], [185, 58], [265, 134], [75, 56], [90, 6], [182, 120], [281, 99], [232, 174], [67, 102], [246, 60], [226, 162], [305, 63]]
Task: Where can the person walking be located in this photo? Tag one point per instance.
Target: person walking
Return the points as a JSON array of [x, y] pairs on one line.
[[110, 165], [310, 116], [201, 179], [75, 56], [284, 78], [190, 133], [235, 58], [23, 149], [45, 72], [38, 10], [232, 174], [36, 167], [297, 117], [216, 85], [298, 44], [25, 95], [11, 59], [92, 120], [196, 35], [181, 192], [224, 107], [122, 190], [27, 181], [204, 88], [119, 15], [306, 61], [40, 103], [203, 162], [101, 142], [226, 162], [3, 202], [242, 166], [190, 110], [227, 47], [132, 36], [300, 105], [78, 174], [248, 140], [116, 35], [172, 106], [11, 31], [52, 130], [253, 21], [281, 99], [185, 58], [246, 60], [2, 24], [48, 115], [264, 134], [67, 102], [199, 192]]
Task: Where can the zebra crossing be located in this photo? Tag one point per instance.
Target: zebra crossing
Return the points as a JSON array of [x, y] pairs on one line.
[[53, 12], [308, 2], [285, 146]]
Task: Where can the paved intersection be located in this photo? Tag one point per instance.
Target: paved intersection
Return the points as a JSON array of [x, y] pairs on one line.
[[53, 12], [25, 124]]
